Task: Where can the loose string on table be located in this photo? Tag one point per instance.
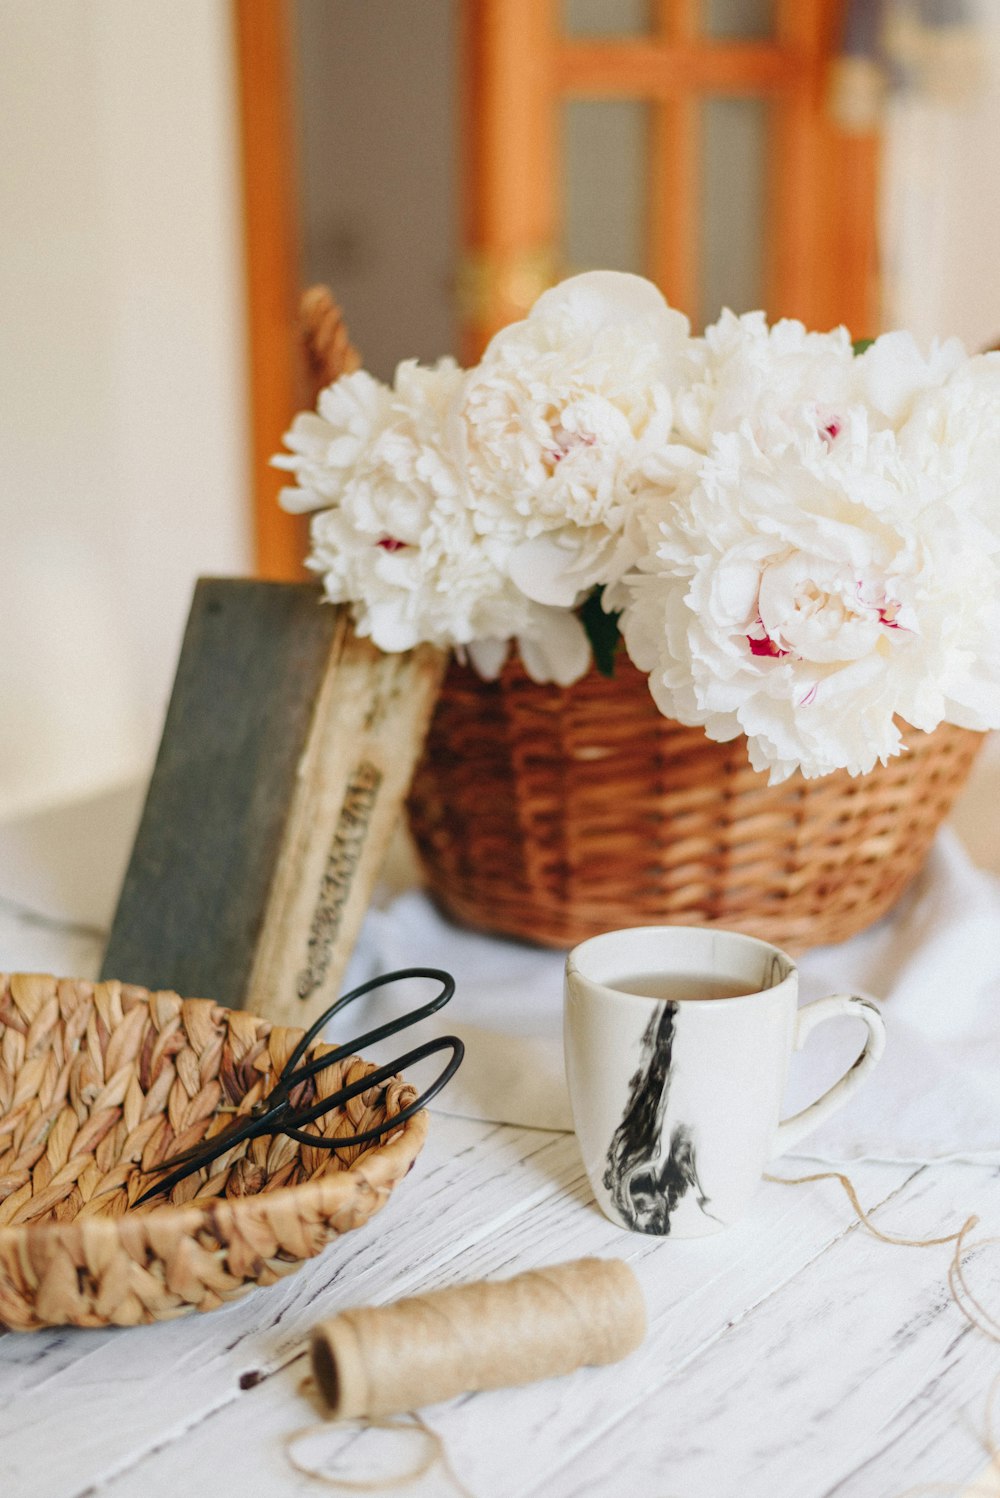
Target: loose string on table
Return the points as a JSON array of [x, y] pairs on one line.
[[435, 1452], [961, 1292], [965, 1299]]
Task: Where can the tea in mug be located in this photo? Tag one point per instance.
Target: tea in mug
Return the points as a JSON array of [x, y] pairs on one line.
[[674, 986]]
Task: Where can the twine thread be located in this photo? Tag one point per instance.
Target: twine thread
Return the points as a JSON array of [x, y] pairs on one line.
[[436, 1453], [971, 1307]]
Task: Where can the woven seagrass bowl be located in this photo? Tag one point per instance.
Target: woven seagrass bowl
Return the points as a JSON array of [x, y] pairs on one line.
[[552, 814], [101, 1080]]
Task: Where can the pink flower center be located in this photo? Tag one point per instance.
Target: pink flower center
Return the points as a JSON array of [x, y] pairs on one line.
[[760, 642], [566, 442], [390, 543], [887, 610], [832, 429]]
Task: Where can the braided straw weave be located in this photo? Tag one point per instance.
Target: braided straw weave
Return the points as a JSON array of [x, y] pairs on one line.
[[98, 1082], [553, 814]]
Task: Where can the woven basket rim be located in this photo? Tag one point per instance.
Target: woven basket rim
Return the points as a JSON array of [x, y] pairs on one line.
[[549, 814], [322, 1192]]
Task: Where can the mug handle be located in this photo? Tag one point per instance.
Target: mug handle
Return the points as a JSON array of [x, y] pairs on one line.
[[791, 1130]]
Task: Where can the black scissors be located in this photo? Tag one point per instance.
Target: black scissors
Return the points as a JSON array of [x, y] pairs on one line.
[[274, 1114]]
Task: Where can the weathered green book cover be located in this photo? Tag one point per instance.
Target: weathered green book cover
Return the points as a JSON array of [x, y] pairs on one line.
[[196, 888]]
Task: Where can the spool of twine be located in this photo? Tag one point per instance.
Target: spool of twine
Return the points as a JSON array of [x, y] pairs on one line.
[[375, 1361]]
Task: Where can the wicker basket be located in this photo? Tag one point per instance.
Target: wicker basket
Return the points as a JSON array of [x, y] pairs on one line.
[[99, 1080], [554, 814]]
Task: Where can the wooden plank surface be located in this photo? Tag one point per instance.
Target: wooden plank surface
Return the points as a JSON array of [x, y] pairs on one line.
[[793, 1356]]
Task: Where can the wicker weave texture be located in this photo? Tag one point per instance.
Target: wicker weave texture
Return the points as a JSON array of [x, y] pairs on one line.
[[554, 814], [97, 1082]]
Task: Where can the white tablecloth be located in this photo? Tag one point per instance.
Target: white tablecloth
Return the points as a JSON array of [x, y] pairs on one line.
[[935, 961]]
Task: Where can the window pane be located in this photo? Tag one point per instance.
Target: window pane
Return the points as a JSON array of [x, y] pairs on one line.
[[733, 205], [751, 20], [606, 17], [605, 157], [378, 207]]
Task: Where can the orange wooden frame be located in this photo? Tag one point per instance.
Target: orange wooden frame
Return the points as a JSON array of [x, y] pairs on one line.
[[262, 35], [509, 156]]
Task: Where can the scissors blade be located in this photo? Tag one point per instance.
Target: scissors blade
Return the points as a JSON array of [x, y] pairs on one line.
[[186, 1162]]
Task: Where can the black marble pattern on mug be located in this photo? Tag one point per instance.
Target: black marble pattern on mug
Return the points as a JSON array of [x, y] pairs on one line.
[[644, 1189]]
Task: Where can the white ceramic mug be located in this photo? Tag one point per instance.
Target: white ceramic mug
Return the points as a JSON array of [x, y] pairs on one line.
[[677, 1100]]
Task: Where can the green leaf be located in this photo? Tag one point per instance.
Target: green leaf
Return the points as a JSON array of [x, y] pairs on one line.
[[602, 631], [860, 344]]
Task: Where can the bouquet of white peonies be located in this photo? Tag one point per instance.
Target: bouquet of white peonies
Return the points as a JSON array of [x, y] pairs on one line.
[[798, 539]]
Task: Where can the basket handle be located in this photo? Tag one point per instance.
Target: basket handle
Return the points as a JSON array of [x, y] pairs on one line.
[[791, 1130]]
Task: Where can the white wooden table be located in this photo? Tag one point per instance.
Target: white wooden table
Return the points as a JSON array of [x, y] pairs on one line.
[[792, 1356]]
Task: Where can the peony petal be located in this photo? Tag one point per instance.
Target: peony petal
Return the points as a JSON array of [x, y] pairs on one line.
[[301, 501], [608, 298], [388, 628], [542, 569], [487, 657], [557, 648], [734, 589], [894, 371]]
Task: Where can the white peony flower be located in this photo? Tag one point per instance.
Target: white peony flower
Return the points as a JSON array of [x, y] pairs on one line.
[[893, 372], [552, 425], [745, 371], [953, 433], [953, 438], [806, 591], [748, 372], [326, 446], [805, 544], [393, 535], [398, 543]]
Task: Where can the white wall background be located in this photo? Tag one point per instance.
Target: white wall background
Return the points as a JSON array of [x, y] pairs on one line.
[[122, 400], [941, 211]]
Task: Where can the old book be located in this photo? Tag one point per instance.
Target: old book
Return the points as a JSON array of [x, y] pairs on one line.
[[286, 753]]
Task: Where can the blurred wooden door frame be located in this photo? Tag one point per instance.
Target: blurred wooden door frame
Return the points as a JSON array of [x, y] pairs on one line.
[[519, 68], [516, 69], [262, 31]]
